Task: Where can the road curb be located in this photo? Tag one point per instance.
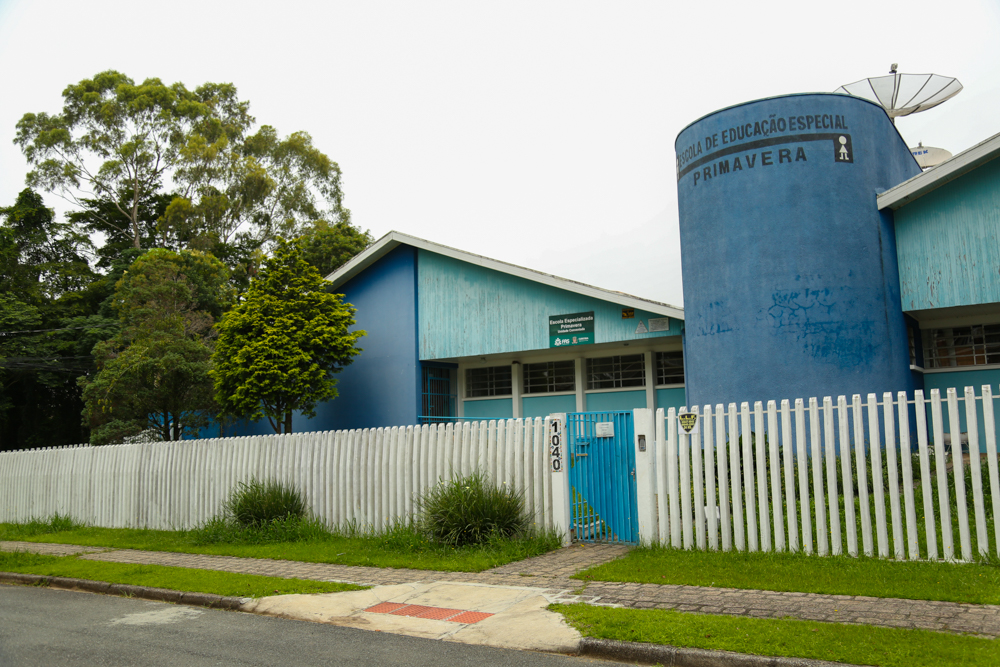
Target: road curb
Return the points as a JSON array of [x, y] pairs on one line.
[[126, 590], [675, 656]]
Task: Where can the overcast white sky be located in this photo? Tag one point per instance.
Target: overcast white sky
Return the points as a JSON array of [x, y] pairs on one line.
[[539, 133]]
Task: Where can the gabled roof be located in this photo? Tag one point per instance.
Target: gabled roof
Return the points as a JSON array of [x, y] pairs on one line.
[[392, 240], [933, 179]]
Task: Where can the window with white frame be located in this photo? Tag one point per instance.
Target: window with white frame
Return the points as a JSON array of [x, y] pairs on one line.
[[953, 347], [488, 381], [627, 370], [670, 367], [550, 376]]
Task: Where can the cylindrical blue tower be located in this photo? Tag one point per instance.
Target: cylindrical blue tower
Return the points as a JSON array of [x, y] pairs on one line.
[[791, 287]]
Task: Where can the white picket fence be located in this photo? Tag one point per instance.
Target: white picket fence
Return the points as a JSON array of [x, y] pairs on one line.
[[369, 477], [785, 498]]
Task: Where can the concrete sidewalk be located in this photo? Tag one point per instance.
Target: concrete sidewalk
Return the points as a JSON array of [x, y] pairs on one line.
[[547, 578]]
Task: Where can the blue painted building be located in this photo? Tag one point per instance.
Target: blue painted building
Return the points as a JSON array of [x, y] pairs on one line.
[[947, 228], [452, 335], [789, 269], [818, 260]]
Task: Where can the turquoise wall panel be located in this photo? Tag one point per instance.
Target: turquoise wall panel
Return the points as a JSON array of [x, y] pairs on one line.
[[670, 398], [492, 408], [542, 406], [468, 310], [948, 245], [960, 380], [616, 400]]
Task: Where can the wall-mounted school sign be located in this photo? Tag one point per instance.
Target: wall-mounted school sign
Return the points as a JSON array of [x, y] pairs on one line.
[[572, 329]]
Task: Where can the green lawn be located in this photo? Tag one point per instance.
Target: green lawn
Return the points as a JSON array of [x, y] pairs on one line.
[[972, 583], [158, 576], [855, 644], [399, 548]]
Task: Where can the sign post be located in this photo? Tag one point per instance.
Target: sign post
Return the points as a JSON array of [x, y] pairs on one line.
[[555, 432]]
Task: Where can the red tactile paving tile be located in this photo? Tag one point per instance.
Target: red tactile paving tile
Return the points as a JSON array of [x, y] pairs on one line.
[[411, 610], [385, 607], [440, 613], [469, 617]]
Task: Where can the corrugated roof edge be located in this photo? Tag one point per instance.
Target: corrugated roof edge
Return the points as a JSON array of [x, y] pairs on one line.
[[384, 245], [932, 179]]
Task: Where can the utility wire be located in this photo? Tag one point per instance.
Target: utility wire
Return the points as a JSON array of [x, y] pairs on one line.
[[31, 331]]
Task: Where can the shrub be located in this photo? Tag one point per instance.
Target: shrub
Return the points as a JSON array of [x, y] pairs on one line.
[[259, 503], [472, 510]]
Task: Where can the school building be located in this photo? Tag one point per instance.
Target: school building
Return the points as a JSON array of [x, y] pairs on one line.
[[818, 260]]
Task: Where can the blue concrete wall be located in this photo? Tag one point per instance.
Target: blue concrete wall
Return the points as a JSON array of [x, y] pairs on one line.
[[948, 245], [468, 310], [790, 280], [382, 386], [670, 398], [490, 408], [542, 406], [616, 400]]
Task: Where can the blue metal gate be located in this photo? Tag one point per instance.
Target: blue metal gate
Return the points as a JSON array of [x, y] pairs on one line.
[[602, 476]]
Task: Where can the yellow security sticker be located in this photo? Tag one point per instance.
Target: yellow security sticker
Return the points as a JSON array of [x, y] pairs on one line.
[[688, 422]]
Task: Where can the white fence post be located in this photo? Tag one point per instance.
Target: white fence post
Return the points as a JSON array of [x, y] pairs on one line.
[[644, 456], [555, 429]]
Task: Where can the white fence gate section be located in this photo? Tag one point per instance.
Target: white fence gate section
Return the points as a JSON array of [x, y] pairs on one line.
[[371, 477], [813, 476]]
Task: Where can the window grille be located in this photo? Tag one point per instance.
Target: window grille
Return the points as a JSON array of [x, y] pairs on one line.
[[437, 400], [670, 368], [962, 346], [549, 376], [614, 372], [489, 381]]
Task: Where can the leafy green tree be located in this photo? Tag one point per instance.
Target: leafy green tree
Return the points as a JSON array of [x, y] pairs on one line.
[[43, 277], [278, 350], [156, 165], [237, 198], [113, 141], [39, 257], [154, 373], [329, 246]]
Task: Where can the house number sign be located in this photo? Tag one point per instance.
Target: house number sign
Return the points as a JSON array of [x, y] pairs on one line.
[[556, 445]]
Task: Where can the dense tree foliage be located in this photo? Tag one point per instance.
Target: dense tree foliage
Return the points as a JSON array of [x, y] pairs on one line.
[[278, 350], [163, 180], [47, 297], [154, 373]]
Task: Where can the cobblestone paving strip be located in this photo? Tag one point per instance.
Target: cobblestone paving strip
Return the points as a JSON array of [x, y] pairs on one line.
[[551, 572], [47, 549]]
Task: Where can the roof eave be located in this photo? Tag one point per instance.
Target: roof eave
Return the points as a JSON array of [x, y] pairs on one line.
[[947, 171], [390, 241]]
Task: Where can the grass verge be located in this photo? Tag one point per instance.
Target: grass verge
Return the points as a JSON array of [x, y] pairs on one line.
[[159, 576], [854, 644], [977, 583], [399, 547]]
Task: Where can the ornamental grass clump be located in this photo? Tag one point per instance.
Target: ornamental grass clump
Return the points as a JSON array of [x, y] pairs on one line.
[[472, 510], [256, 503]]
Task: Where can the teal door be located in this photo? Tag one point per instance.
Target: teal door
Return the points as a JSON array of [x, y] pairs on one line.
[[602, 476]]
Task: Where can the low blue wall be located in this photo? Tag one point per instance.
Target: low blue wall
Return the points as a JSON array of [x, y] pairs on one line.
[[490, 408], [670, 398], [616, 400], [543, 406]]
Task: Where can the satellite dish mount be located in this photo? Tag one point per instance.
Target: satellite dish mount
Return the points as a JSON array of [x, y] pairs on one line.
[[903, 94]]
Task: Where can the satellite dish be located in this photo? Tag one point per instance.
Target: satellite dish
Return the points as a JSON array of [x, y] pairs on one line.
[[927, 156], [903, 94]]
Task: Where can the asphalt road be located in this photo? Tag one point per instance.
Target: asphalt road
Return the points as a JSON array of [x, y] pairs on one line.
[[44, 627]]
